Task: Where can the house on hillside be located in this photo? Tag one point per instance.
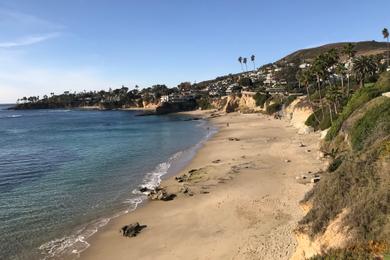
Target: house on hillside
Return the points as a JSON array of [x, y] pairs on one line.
[[277, 90], [304, 65]]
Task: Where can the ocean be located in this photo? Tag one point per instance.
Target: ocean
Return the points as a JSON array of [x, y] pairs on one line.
[[66, 173]]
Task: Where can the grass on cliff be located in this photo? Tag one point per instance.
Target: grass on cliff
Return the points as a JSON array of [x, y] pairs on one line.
[[366, 251], [362, 96], [359, 184], [374, 125]]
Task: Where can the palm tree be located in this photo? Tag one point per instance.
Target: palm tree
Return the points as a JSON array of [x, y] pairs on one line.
[[306, 77], [341, 71], [253, 61], [319, 70], [349, 51], [245, 60], [240, 61], [385, 33], [363, 66]]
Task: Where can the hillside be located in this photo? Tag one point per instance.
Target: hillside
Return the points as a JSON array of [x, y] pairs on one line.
[[361, 48], [349, 209], [299, 56]]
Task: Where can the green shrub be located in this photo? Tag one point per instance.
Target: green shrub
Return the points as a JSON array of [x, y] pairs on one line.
[[289, 100], [312, 121], [324, 119], [246, 82], [335, 164], [260, 99], [362, 96], [273, 108], [204, 103]]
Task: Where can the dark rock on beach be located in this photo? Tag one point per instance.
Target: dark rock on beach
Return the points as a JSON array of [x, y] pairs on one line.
[[132, 230]]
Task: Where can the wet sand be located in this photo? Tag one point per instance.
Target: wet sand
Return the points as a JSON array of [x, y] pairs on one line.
[[241, 200]]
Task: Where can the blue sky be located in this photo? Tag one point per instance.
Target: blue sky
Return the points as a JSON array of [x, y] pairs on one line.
[[56, 45]]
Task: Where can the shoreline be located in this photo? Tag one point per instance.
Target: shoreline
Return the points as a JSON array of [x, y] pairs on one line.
[[220, 181], [79, 240]]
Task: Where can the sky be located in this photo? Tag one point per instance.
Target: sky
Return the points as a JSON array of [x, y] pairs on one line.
[[74, 45]]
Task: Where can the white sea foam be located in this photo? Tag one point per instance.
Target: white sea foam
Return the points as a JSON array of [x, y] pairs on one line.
[[75, 244], [58, 110], [13, 116]]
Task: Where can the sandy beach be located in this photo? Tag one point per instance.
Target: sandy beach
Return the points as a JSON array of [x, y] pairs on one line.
[[241, 201]]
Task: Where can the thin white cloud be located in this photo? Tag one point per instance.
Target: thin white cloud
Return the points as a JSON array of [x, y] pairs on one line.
[[28, 40], [13, 18]]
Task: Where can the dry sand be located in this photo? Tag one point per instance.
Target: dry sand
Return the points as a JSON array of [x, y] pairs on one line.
[[245, 206]]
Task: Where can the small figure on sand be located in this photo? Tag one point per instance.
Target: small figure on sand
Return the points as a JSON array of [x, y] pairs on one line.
[[227, 124]]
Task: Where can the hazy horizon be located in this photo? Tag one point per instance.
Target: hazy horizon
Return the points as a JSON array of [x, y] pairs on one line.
[[48, 46]]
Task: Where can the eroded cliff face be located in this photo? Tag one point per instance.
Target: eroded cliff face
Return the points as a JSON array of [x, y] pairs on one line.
[[219, 103], [334, 237], [232, 104], [298, 112], [243, 103]]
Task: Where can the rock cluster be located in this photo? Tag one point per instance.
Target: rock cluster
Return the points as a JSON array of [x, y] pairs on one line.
[[161, 194]]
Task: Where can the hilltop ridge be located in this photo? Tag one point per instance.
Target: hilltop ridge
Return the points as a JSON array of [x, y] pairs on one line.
[[361, 48]]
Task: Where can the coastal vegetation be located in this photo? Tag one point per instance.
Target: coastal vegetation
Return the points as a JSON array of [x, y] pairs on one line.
[[355, 191]]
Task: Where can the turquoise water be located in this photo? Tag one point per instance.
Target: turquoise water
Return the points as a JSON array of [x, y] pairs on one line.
[[65, 173]]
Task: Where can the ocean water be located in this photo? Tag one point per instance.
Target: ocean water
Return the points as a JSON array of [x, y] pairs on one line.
[[65, 173]]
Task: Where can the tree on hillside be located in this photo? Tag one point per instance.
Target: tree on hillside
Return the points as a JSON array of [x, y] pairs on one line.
[[385, 34], [184, 86], [341, 71], [240, 61], [322, 68], [245, 60], [253, 61], [363, 67], [307, 77], [349, 51]]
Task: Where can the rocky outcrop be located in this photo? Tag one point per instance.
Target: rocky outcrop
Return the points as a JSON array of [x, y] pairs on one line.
[[247, 102], [166, 108], [219, 103], [243, 103], [161, 194], [232, 104]]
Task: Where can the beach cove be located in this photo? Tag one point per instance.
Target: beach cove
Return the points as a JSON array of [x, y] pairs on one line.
[[241, 202]]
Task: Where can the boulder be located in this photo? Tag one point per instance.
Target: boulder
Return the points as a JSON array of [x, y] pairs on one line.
[[132, 230]]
